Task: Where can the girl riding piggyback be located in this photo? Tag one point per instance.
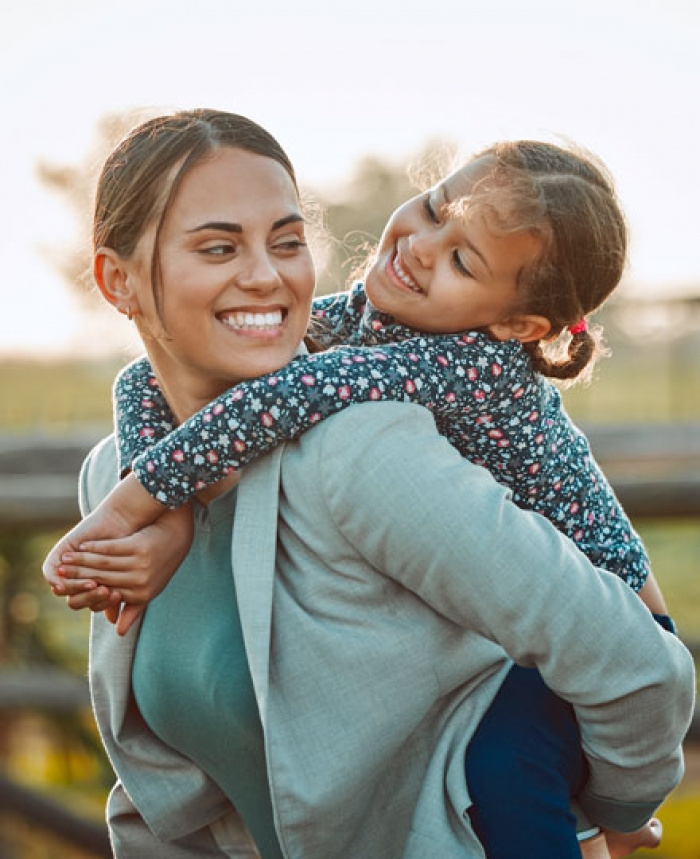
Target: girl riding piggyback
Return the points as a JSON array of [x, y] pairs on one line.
[[470, 281]]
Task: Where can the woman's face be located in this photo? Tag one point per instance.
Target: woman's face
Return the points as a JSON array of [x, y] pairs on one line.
[[236, 276]]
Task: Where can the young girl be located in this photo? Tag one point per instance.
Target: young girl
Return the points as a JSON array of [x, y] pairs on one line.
[[444, 266]]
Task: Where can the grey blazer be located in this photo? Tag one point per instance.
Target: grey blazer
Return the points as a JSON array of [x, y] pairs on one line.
[[385, 585]]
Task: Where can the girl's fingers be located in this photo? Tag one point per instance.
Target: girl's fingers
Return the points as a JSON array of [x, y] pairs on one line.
[[98, 600], [94, 561], [117, 546], [69, 587], [110, 579], [129, 614]]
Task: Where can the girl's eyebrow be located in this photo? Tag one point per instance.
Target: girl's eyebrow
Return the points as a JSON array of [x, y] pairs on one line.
[[231, 227]]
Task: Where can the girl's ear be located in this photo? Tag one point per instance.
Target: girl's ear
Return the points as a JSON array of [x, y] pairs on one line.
[[523, 327], [111, 272]]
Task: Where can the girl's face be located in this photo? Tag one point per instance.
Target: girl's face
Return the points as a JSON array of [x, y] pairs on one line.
[[442, 273], [236, 275]]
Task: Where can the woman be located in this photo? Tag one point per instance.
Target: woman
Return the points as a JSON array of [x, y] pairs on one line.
[[382, 583]]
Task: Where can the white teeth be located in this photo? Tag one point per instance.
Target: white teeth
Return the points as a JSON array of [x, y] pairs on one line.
[[403, 277], [256, 321]]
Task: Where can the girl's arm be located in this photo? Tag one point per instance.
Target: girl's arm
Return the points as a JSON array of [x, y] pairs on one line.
[[141, 413], [336, 318], [257, 415]]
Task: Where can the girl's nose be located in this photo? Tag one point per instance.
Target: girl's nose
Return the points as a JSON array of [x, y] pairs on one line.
[[422, 247]]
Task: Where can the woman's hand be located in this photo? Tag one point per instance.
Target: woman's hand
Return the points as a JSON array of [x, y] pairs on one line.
[[131, 570]]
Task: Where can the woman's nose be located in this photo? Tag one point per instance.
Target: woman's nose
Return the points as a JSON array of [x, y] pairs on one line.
[[259, 273]]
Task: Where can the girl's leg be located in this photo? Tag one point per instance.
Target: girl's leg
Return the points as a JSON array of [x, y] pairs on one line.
[[523, 765]]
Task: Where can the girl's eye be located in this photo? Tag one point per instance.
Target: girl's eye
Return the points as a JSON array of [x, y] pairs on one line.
[[459, 265], [429, 211]]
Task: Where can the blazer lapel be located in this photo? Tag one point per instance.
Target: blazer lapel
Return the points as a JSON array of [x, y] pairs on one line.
[[253, 551]]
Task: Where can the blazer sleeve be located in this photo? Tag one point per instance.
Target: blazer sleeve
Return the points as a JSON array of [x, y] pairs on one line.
[[446, 530]]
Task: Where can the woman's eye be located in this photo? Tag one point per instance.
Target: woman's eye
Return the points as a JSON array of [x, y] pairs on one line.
[[289, 244], [429, 211], [218, 250], [459, 265]]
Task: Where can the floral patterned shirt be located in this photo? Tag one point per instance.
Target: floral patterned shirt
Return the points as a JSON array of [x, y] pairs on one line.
[[485, 398]]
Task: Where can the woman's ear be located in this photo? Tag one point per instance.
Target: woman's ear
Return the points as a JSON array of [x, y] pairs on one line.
[[523, 327], [112, 275]]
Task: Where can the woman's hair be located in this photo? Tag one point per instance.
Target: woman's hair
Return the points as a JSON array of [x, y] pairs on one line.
[[141, 177], [567, 198]]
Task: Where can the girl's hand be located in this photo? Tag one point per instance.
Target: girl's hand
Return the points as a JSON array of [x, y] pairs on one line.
[[126, 509], [131, 569]]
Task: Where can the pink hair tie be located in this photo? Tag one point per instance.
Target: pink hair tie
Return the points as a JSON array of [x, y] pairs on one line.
[[579, 327]]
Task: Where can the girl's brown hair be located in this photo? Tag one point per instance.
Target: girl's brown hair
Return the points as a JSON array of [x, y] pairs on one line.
[[568, 199], [142, 175]]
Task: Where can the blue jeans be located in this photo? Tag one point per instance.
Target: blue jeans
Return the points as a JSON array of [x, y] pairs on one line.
[[523, 765]]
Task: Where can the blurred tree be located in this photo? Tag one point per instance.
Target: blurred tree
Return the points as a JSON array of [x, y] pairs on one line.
[[76, 184]]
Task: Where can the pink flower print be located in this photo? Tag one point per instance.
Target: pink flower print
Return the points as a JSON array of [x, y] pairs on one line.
[[153, 382], [207, 417], [146, 432], [532, 417], [239, 446], [574, 507], [413, 357], [451, 397], [539, 438], [376, 325], [496, 370], [359, 359], [147, 404], [504, 442], [591, 518], [266, 419], [557, 486], [468, 339], [178, 456], [228, 469], [375, 394], [150, 466], [479, 396], [212, 457], [315, 418], [442, 360], [344, 392], [472, 374], [410, 386], [200, 484], [236, 395], [484, 419], [272, 381], [534, 468], [578, 535], [218, 408], [308, 380], [495, 433], [518, 393]]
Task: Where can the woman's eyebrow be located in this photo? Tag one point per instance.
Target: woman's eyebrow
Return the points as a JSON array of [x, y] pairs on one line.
[[231, 227]]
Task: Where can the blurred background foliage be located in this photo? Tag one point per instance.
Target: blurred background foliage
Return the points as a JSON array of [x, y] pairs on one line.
[[652, 377]]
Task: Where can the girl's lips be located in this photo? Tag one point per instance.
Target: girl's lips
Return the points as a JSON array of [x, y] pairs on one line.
[[399, 276]]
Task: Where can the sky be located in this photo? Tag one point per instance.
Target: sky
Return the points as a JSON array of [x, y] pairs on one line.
[[338, 80]]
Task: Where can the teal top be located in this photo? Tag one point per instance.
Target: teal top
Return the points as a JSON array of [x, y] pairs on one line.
[[191, 678]]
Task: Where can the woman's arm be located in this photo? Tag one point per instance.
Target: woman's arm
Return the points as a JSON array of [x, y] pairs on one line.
[[451, 535]]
